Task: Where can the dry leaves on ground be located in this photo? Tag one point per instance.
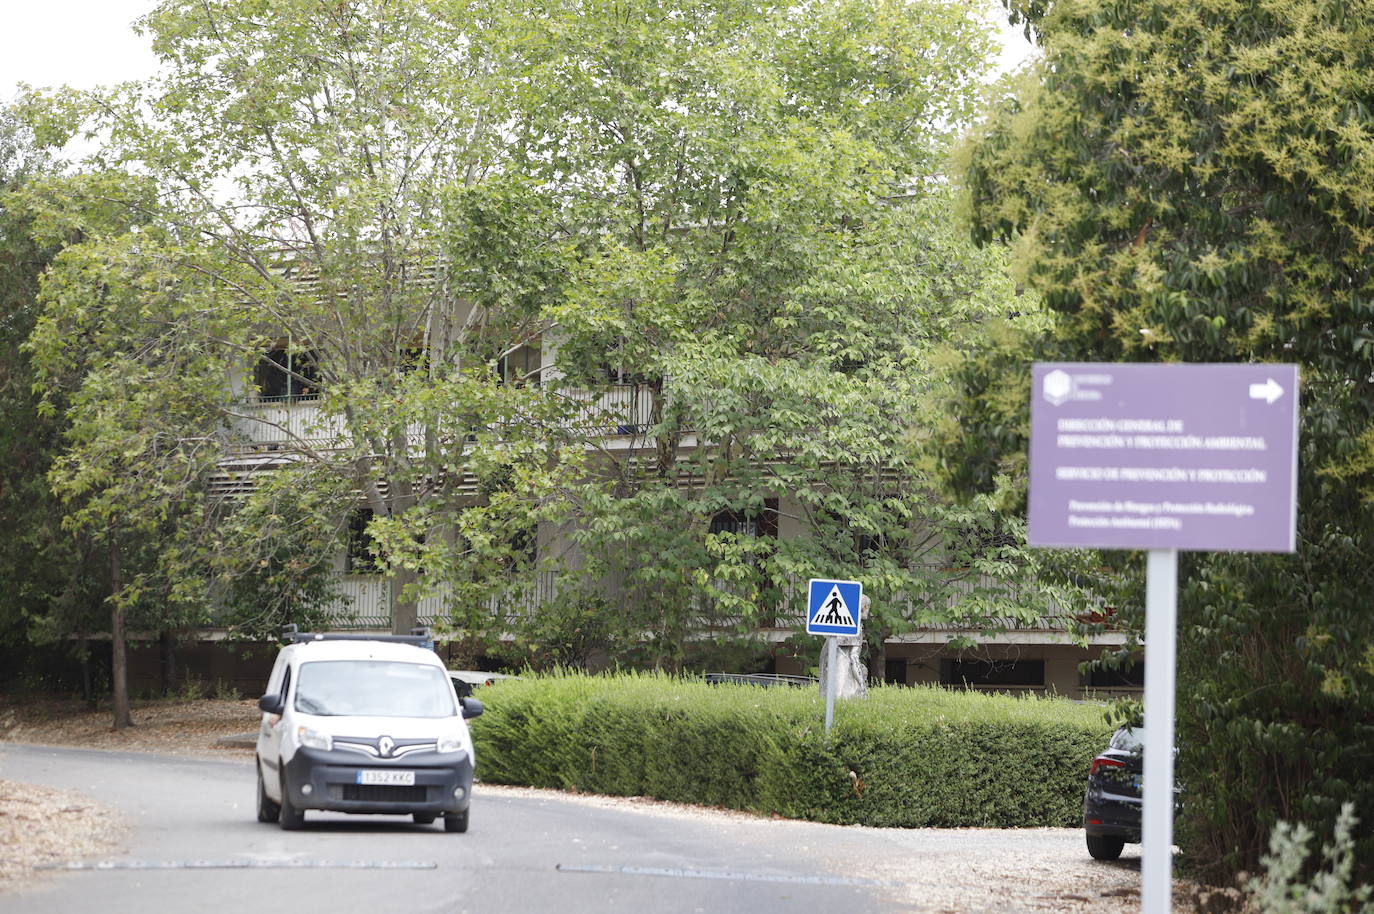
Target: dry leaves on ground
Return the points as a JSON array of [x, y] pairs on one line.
[[174, 727], [40, 826]]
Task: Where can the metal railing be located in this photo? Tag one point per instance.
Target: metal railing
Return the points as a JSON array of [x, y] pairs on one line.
[[366, 602], [615, 411], [622, 409]]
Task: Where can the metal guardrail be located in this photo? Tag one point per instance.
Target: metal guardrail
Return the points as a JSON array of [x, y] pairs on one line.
[[767, 680]]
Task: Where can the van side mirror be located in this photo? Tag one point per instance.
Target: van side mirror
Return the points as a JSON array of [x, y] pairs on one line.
[[471, 708], [271, 704]]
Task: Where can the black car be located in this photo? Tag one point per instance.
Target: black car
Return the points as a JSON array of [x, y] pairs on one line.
[[1111, 806]]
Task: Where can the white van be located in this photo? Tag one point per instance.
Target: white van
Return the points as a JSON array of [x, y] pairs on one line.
[[363, 724]]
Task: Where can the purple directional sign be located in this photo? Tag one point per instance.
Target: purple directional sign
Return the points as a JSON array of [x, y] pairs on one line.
[[1147, 456]]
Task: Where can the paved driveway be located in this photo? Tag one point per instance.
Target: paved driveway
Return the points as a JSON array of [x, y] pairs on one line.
[[195, 845]]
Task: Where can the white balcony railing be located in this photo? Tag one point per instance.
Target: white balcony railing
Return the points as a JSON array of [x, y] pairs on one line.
[[622, 410], [280, 422], [260, 424], [366, 602]]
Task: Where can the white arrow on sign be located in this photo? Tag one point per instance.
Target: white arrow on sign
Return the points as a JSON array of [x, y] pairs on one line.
[[1269, 391]]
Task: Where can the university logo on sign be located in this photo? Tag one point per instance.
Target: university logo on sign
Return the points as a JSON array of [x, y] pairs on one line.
[[833, 607]]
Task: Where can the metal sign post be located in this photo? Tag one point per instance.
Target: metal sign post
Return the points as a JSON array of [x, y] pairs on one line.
[[833, 609], [832, 658], [1157, 813], [1163, 457]]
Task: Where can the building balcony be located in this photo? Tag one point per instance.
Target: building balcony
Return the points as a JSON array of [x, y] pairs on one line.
[[267, 424]]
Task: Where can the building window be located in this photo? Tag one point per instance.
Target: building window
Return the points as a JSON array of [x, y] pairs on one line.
[[748, 523], [361, 555], [519, 367], [970, 674], [619, 376], [619, 369], [870, 546], [894, 671], [286, 375], [524, 547], [1131, 676]]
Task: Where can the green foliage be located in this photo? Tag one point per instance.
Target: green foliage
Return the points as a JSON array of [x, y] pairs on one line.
[[902, 758], [271, 557], [311, 178], [1285, 889], [765, 258], [42, 564], [1190, 181]]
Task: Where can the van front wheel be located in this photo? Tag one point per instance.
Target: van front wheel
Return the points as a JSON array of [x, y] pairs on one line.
[[291, 818], [456, 821], [267, 810]]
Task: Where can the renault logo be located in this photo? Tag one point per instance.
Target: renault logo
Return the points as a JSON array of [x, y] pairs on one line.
[[385, 745]]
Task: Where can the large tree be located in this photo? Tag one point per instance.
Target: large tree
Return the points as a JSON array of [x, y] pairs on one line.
[[57, 580], [1193, 182], [765, 259]]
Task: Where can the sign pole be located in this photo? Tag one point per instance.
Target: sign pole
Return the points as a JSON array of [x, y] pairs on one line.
[[833, 608], [832, 657], [1157, 821]]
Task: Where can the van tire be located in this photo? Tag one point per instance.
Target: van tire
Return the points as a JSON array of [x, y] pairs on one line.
[[291, 817], [456, 821], [268, 811]]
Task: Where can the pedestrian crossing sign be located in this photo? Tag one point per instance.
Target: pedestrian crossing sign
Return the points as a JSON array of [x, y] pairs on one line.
[[832, 607]]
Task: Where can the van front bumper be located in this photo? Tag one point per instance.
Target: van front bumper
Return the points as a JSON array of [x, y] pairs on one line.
[[443, 782]]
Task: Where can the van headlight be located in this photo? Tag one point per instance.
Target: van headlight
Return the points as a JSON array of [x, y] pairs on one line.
[[314, 739], [451, 744]]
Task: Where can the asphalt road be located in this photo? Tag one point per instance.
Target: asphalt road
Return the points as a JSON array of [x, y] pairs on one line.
[[195, 845]]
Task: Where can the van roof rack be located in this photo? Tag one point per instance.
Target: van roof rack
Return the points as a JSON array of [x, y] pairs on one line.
[[420, 636]]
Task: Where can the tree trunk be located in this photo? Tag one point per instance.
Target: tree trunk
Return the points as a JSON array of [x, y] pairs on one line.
[[119, 669], [404, 612]]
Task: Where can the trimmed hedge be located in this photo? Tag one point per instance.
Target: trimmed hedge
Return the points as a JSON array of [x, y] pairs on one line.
[[905, 757]]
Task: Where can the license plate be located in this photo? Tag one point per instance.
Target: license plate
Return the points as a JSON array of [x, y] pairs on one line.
[[397, 778]]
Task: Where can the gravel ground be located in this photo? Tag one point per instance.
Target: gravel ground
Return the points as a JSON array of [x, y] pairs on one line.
[[40, 826]]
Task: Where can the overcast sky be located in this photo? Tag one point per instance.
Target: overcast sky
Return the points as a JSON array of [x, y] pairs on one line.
[[86, 43], [82, 43]]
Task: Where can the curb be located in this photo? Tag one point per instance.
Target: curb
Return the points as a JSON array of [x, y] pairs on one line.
[[239, 741]]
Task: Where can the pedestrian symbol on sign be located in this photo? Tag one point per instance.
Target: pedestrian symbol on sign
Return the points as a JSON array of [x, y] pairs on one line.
[[833, 611]]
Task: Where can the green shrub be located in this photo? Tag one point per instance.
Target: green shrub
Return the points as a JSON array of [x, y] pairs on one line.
[[1330, 890], [905, 757]]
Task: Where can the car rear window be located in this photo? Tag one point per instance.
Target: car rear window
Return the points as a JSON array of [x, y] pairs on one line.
[[1129, 739]]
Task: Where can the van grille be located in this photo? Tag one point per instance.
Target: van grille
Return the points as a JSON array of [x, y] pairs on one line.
[[382, 793]]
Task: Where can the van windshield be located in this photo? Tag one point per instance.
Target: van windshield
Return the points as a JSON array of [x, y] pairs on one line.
[[373, 688]]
